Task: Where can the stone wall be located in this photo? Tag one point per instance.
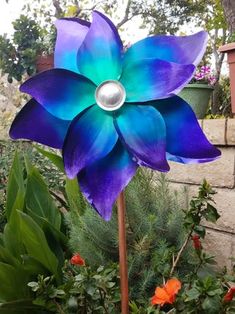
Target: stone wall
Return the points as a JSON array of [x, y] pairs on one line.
[[221, 175]]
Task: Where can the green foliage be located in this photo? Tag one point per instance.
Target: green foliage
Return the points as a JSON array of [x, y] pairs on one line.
[[18, 54], [32, 236], [154, 233], [85, 291]]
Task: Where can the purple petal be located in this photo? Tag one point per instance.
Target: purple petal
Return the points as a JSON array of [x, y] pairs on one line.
[[142, 131], [34, 123], [186, 143], [182, 49], [152, 79], [102, 182], [91, 136], [99, 57], [70, 35], [61, 92]]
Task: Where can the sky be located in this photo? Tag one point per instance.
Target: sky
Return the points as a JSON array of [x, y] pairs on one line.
[[12, 10], [132, 31]]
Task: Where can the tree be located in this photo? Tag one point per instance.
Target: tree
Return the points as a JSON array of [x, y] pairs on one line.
[[229, 10]]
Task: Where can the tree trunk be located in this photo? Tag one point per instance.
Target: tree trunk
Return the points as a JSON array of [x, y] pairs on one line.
[[229, 10]]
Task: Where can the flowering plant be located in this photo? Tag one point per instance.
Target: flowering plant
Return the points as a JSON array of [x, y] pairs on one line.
[[204, 75]]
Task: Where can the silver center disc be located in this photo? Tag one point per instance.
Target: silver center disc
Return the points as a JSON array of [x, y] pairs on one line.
[[110, 95]]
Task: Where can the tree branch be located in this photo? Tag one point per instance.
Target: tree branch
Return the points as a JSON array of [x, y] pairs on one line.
[[126, 17], [58, 9]]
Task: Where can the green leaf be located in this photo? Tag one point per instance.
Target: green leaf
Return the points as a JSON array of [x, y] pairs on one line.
[[35, 243], [15, 187], [74, 195], [54, 158], [12, 236], [20, 307], [211, 213], [39, 200], [200, 230], [192, 294], [13, 283], [211, 304]]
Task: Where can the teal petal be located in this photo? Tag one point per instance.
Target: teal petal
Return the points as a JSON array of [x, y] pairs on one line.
[[142, 131], [100, 55], [91, 136], [151, 79]]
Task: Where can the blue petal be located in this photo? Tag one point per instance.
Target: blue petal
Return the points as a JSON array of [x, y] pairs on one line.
[[185, 141], [142, 131], [178, 49], [70, 35], [34, 123], [153, 79], [91, 136], [61, 92], [99, 57], [102, 182]]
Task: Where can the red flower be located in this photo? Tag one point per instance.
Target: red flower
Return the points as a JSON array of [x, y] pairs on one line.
[[229, 295], [196, 242], [77, 260], [167, 293]]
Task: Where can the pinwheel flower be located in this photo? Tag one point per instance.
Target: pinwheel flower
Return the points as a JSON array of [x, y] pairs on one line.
[[111, 110]]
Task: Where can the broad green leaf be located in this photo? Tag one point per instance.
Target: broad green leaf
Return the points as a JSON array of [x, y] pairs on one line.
[[35, 243], [21, 306], [55, 238], [15, 187], [12, 236], [13, 283], [7, 258], [74, 195], [54, 158], [211, 213], [39, 200]]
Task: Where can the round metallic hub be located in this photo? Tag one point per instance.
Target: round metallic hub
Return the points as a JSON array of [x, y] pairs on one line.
[[110, 95]]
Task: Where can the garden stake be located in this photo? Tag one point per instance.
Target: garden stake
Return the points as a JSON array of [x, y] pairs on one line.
[[122, 254]]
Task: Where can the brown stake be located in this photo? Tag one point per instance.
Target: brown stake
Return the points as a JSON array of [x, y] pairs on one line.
[[122, 253]]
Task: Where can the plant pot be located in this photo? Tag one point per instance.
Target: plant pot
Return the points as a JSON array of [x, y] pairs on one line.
[[198, 97], [44, 62]]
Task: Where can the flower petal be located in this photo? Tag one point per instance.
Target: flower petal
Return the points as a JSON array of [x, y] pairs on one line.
[[178, 49], [91, 136], [153, 79], [102, 182], [186, 143], [99, 57], [142, 131], [70, 35], [61, 92], [161, 297], [34, 123]]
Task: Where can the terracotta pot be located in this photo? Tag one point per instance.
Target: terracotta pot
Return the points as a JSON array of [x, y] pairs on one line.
[[44, 62], [198, 97]]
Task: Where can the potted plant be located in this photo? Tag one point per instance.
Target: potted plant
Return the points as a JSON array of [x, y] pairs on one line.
[[21, 54], [198, 92]]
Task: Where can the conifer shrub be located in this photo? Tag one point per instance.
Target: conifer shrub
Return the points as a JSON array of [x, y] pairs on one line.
[[154, 222]]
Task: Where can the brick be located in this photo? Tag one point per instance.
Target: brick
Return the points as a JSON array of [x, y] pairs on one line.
[[215, 130], [218, 173], [220, 245], [225, 202], [230, 136]]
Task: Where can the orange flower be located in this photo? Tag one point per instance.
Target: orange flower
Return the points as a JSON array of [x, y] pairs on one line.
[[77, 260], [167, 293], [229, 295]]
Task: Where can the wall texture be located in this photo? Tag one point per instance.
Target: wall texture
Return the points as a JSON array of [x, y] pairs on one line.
[[221, 175]]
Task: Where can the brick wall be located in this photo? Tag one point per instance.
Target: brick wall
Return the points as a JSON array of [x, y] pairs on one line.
[[221, 175]]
